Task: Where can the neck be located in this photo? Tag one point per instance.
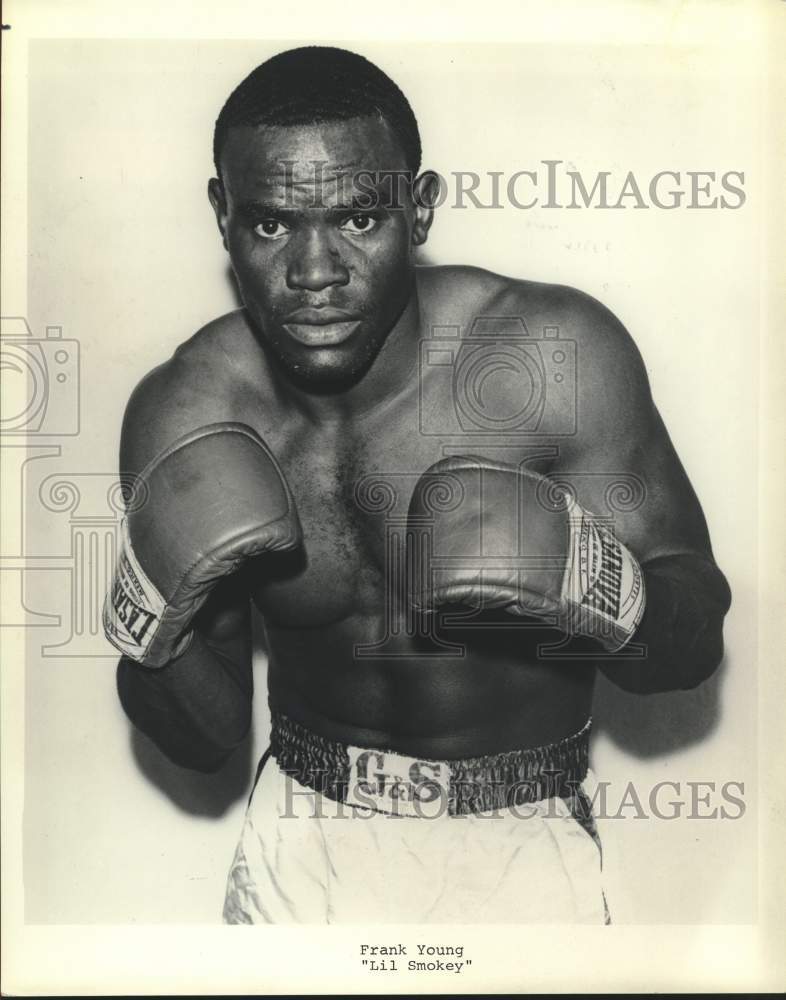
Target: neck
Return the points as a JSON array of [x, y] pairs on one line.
[[393, 372]]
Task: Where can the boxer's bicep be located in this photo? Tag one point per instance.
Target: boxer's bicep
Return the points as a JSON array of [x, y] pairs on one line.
[[641, 485], [621, 462], [623, 466], [198, 707], [164, 406], [182, 394]]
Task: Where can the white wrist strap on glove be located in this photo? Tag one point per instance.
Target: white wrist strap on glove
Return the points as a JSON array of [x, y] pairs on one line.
[[133, 607], [603, 587]]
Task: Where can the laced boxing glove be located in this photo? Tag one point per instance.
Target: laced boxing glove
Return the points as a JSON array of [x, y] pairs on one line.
[[213, 499], [492, 536]]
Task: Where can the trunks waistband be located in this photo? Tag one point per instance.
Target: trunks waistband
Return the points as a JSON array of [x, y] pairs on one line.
[[388, 781]]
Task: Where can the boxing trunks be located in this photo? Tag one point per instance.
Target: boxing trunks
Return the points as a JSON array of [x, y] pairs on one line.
[[341, 834]]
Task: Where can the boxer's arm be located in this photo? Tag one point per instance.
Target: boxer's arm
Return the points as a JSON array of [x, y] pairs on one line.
[[621, 435], [196, 709]]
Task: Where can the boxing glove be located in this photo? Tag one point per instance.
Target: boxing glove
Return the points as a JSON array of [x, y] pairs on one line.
[[213, 499], [491, 536]]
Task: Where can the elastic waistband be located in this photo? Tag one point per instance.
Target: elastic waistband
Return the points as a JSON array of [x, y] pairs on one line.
[[388, 781]]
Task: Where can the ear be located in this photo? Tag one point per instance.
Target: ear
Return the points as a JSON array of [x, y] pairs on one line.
[[218, 199], [425, 192]]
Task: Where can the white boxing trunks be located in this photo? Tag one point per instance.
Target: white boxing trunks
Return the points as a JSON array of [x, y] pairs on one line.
[[342, 834]]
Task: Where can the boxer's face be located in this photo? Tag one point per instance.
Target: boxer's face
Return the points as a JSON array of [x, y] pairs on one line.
[[323, 276]]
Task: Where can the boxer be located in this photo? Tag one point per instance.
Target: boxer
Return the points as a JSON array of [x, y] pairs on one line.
[[437, 593]]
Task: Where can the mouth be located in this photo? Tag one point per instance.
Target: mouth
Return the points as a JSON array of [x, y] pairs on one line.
[[321, 327]]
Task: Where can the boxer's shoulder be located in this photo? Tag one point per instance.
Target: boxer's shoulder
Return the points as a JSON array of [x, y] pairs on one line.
[[463, 294], [610, 382], [612, 390], [205, 381], [605, 351], [608, 376]]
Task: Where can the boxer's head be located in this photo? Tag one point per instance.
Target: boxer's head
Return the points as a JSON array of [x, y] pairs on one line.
[[320, 208]]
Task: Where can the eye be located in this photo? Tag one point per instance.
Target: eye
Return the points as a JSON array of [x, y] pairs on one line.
[[270, 229], [359, 224]]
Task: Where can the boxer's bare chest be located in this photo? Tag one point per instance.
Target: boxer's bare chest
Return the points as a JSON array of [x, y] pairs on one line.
[[352, 479], [337, 622], [351, 482]]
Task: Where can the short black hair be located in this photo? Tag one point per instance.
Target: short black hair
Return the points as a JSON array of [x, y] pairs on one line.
[[314, 84]]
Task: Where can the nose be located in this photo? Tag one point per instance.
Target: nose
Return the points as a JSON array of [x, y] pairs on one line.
[[315, 263]]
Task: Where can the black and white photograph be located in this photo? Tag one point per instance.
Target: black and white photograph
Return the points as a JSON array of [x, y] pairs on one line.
[[390, 456]]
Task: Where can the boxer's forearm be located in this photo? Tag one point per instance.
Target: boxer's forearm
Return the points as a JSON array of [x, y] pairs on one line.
[[681, 629], [197, 709]]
